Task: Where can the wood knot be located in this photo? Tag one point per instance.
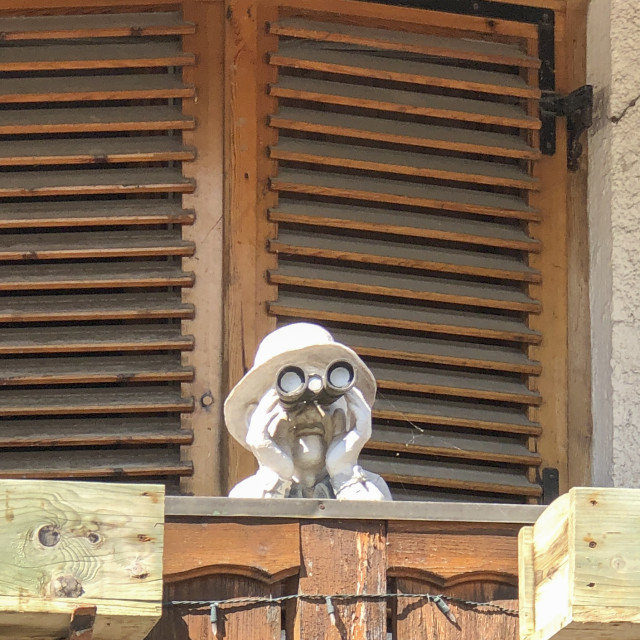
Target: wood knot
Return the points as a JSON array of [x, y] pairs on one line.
[[66, 587], [49, 536], [137, 570]]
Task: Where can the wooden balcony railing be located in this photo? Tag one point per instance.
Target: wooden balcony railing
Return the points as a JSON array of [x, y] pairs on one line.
[[217, 549]]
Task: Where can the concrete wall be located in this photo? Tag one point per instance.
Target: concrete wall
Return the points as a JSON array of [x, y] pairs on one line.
[[613, 59]]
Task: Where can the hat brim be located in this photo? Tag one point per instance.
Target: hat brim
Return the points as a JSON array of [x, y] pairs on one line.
[[245, 396]]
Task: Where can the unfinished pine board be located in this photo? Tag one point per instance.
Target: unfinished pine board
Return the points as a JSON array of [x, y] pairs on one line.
[[94, 400], [401, 192], [404, 408], [396, 100], [386, 251], [416, 134], [39, 215], [94, 244], [404, 222], [579, 567], [93, 120], [347, 60], [409, 439], [94, 338], [102, 431], [94, 26], [405, 163], [95, 151], [402, 316], [69, 545], [396, 40]]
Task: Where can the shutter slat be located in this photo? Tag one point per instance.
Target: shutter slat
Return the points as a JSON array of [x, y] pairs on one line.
[[93, 275], [94, 26], [93, 56], [451, 445], [401, 192], [95, 338], [93, 432], [451, 476], [348, 60], [38, 215], [93, 370], [463, 49], [92, 151], [404, 223], [86, 464], [398, 101], [99, 88], [399, 132], [56, 308], [98, 181], [402, 254], [402, 162], [400, 285], [465, 384], [82, 401], [420, 349], [402, 316], [93, 244], [455, 413], [90, 120]]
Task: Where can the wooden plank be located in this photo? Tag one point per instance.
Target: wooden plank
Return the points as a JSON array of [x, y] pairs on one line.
[[405, 163], [466, 384], [93, 244], [386, 39], [93, 56], [414, 348], [119, 463], [399, 101], [93, 307], [91, 213], [417, 134], [347, 60], [95, 151], [262, 550], [93, 370], [409, 223], [402, 316], [97, 275], [83, 401], [325, 548], [489, 448], [379, 190], [455, 413], [451, 475], [399, 285], [383, 251], [104, 25], [96, 338], [90, 120], [144, 86], [93, 182], [104, 431]]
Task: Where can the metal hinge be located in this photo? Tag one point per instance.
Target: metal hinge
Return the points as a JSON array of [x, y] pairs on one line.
[[577, 107], [550, 485]]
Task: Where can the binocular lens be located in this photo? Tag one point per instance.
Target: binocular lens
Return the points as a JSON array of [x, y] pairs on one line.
[[291, 379], [340, 375]]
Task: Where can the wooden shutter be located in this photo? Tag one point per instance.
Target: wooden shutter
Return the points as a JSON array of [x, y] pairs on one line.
[[403, 199], [91, 245]]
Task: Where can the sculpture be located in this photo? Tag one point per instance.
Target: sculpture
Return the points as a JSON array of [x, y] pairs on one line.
[[304, 411]]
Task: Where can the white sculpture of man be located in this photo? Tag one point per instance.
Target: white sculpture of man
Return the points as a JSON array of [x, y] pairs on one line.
[[304, 411]]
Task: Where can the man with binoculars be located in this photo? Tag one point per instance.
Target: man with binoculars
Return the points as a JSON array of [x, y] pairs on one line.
[[304, 411]]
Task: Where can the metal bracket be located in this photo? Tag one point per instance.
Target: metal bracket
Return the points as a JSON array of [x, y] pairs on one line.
[[82, 622], [577, 107], [550, 485]]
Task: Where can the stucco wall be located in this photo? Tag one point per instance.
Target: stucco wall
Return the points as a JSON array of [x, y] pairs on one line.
[[614, 217]]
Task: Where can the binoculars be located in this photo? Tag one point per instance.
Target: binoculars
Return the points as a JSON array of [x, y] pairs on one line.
[[294, 386]]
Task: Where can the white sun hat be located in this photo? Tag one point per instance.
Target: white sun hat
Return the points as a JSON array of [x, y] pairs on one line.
[[303, 344]]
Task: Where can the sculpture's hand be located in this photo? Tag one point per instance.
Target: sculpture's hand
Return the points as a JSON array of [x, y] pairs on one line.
[[262, 425], [343, 452]]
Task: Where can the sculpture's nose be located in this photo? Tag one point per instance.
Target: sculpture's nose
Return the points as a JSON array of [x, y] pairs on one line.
[[315, 384]]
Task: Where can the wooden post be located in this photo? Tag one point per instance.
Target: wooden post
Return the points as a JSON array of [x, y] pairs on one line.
[[342, 557]]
